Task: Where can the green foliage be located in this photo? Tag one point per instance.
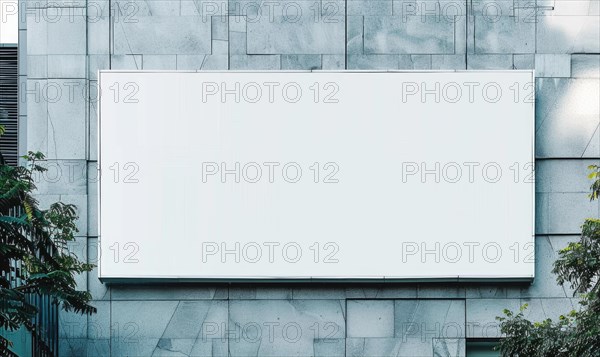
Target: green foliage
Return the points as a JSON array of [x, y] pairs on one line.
[[34, 256], [578, 333]]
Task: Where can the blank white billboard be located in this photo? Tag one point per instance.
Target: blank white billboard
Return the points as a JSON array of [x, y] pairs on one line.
[[316, 175]]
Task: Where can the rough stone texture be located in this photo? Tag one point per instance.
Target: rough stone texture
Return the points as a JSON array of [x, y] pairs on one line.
[[62, 53]]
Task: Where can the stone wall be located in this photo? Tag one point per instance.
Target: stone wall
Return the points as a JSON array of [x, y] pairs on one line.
[[64, 44]]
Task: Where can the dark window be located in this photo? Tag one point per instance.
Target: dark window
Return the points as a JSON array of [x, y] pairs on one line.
[[8, 103], [482, 348]]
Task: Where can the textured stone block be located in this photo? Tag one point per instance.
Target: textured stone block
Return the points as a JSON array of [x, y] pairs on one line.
[[448, 62], [568, 211], [93, 177], [370, 318], [66, 118], [380, 347], [283, 328], [237, 43], [126, 62], [449, 347], [280, 36], [585, 66], [66, 34], [388, 291], [504, 35], [254, 62], [482, 313], [445, 9], [301, 62], [544, 285], [67, 66], [206, 8], [440, 291], [148, 326], [98, 327], [557, 175], [319, 293], [37, 34], [486, 291], [220, 27], [163, 35], [565, 213], [420, 61], [419, 319], [333, 62], [190, 62], [73, 347], [370, 7], [72, 325], [373, 62], [524, 62], [97, 63], [541, 309], [37, 115], [555, 65], [567, 117], [62, 177], [159, 62], [412, 35], [220, 47], [98, 27], [479, 61], [130, 10], [330, 347], [175, 292], [355, 38], [259, 293], [98, 290], [37, 66], [568, 34], [570, 8], [237, 24]]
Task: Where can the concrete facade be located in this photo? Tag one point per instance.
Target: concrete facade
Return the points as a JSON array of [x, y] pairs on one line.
[[64, 43]]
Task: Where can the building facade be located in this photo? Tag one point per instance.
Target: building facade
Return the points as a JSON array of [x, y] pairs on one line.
[[63, 44]]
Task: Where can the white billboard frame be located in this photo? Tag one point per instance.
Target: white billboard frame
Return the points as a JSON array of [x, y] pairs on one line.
[[279, 278]]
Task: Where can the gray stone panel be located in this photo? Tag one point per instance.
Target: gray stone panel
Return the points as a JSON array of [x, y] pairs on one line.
[[155, 328], [282, 36], [544, 285], [417, 321], [67, 66], [67, 108], [504, 35], [163, 35], [159, 62], [176, 292], [333, 62], [482, 313], [370, 318], [555, 65], [301, 62], [254, 62], [567, 116], [370, 8], [488, 62], [411, 34], [568, 34], [585, 66], [558, 175], [379, 62], [283, 328]]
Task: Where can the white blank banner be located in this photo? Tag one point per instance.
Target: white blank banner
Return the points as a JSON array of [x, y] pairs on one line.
[[322, 175]]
